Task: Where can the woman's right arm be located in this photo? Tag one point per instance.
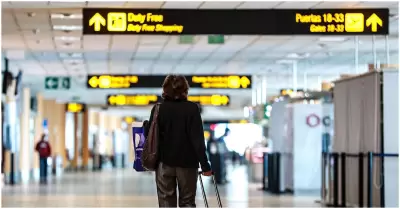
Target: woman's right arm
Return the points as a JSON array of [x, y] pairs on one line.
[[197, 137]]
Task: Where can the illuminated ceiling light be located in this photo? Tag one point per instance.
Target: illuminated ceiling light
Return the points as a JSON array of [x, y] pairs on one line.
[[284, 61], [332, 39], [293, 56], [66, 16], [71, 55], [67, 38], [67, 27], [73, 61], [298, 56]]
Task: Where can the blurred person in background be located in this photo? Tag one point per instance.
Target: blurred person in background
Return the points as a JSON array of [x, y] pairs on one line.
[[224, 152], [44, 149]]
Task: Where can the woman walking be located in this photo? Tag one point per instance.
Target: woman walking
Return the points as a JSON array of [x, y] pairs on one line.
[[181, 145]]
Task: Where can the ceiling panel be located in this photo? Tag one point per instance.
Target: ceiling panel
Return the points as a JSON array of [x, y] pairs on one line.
[[259, 5], [96, 56], [92, 43], [182, 4], [221, 4], [121, 56], [161, 68], [26, 4], [335, 4], [376, 4], [296, 5], [119, 67], [67, 4], [44, 45], [12, 42], [106, 4], [124, 43], [144, 4]]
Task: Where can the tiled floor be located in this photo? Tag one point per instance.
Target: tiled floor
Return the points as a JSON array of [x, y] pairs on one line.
[[126, 188]]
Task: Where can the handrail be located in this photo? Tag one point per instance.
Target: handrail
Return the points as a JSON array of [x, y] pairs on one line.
[[341, 157]]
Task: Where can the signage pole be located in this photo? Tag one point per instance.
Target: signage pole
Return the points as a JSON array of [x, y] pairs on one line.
[[264, 89], [254, 92], [294, 68], [356, 43], [387, 50], [374, 52], [305, 81], [319, 82], [258, 89]]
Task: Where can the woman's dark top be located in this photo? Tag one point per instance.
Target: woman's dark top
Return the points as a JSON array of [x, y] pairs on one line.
[[181, 135]]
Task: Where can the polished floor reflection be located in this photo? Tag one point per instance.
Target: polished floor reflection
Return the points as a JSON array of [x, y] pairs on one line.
[[126, 188]]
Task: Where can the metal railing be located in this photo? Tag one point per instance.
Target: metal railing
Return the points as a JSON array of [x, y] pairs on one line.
[[335, 161]]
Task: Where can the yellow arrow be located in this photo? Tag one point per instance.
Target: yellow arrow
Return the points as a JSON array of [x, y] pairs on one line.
[[244, 82], [111, 100], [216, 100], [93, 82], [224, 100], [374, 21], [97, 20]]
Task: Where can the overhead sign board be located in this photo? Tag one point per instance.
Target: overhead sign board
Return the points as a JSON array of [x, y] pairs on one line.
[[132, 100], [136, 81], [129, 119], [126, 21], [210, 100], [148, 99], [289, 92], [76, 107]]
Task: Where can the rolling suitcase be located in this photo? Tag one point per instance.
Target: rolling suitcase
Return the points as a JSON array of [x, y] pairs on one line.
[[204, 193]]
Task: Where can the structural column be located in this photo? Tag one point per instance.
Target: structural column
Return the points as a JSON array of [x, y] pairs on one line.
[[25, 145], [38, 131], [253, 95], [76, 151], [11, 141], [131, 150], [85, 140], [294, 70], [60, 143], [264, 97]]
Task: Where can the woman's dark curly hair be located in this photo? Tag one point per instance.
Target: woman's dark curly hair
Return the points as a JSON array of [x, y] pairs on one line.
[[175, 87]]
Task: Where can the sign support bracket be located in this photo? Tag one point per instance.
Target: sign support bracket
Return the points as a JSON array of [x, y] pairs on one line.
[[294, 70], [356, 43], [305, 81], [374, 52], [387, 50]]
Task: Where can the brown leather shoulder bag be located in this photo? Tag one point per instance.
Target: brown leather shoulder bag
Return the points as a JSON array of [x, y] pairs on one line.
[[150, 148]]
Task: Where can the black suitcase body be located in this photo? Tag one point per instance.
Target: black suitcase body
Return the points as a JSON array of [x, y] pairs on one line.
[[204, 193]]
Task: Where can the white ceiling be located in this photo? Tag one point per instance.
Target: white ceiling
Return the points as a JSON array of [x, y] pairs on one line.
[[45, 54]]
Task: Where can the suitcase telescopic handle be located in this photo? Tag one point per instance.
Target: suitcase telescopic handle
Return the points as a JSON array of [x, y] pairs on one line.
[[216, 190]]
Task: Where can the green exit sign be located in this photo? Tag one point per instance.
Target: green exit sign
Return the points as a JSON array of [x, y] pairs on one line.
[[267, 111], [186, 39], [57, 83], [216, 39]]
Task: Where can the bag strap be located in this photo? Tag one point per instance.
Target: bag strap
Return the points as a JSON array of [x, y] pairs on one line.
[[156, 111]]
